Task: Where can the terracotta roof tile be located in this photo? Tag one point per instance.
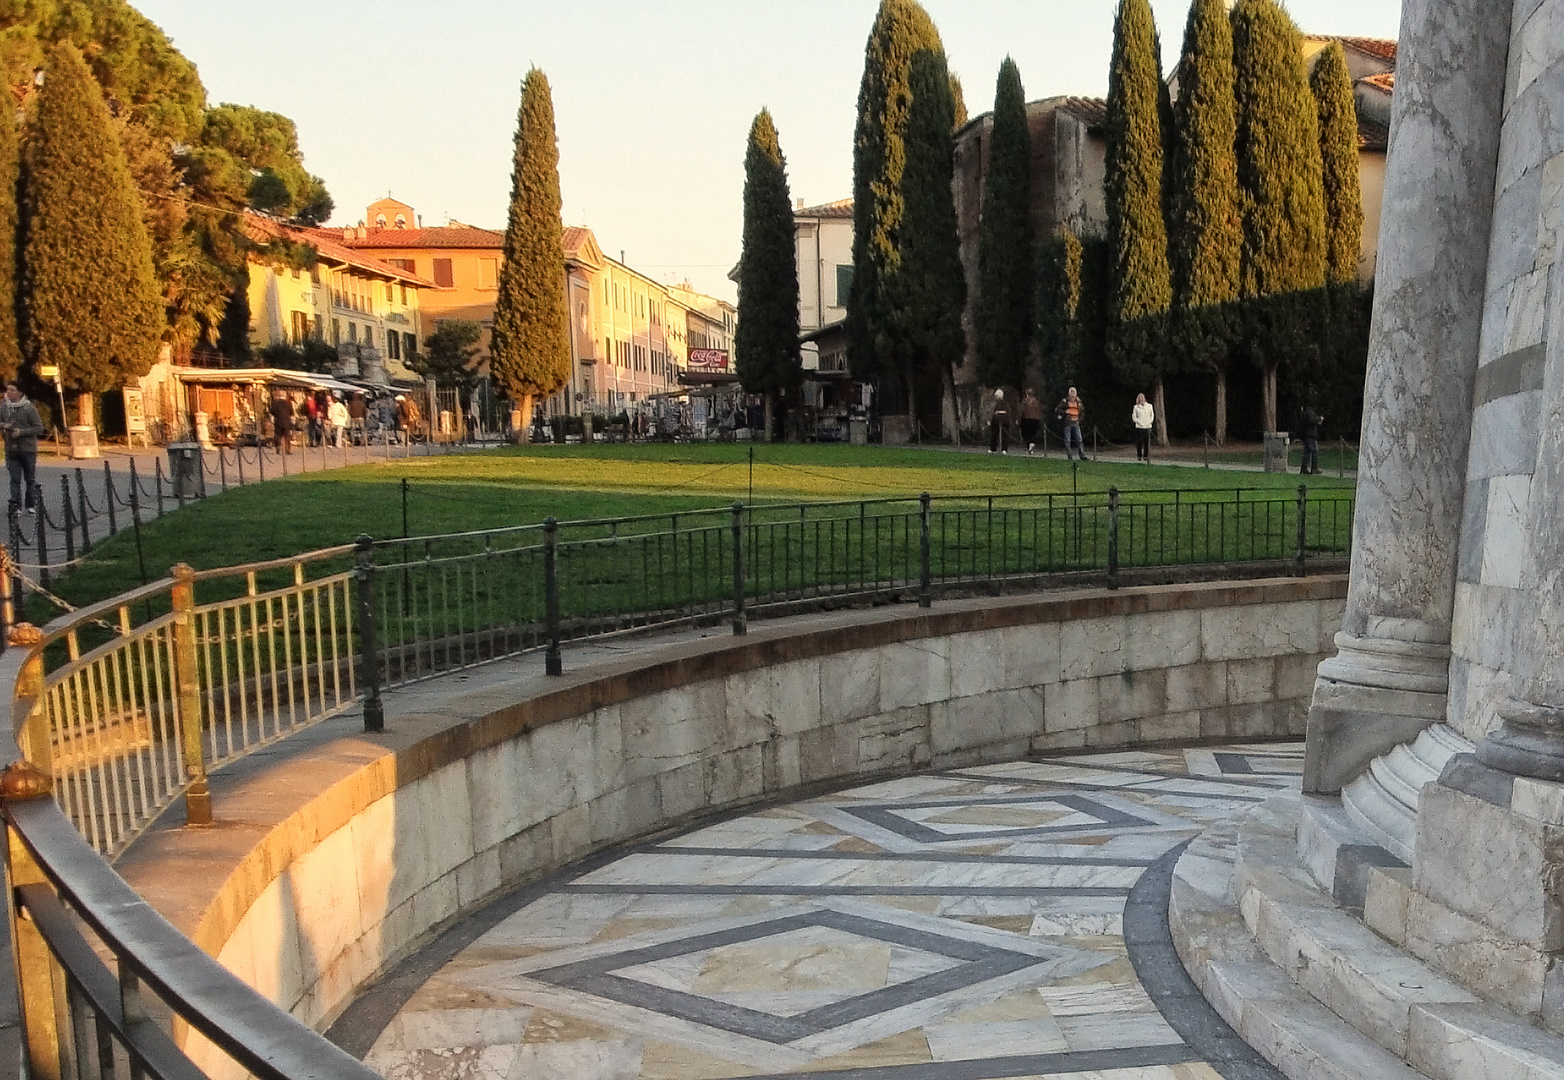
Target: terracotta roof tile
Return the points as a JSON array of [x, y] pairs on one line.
[[1378, 48], [331, 249], [1385, 81], [842, 208], [1092, 111], [464, 237]]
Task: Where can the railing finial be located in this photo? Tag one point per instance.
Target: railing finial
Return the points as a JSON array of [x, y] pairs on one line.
[[24, 780]]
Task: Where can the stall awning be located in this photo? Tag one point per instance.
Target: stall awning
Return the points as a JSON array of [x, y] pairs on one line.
[[263, 377]]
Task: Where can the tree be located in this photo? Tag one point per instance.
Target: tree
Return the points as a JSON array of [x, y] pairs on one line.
[[1058, 307], [449, 353], [1137, 232], [1005, 257], [1205, 222], [1332, 87], [766, 343], [10, 168], [1280, 178], [530, 349], [901, 30], [89, 301], [958, 98]]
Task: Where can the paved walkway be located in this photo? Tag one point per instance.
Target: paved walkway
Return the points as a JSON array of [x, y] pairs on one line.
[[1001, 921]]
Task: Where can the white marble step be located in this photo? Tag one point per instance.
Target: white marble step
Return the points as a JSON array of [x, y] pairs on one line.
[[1383, 801], [1316, 956]]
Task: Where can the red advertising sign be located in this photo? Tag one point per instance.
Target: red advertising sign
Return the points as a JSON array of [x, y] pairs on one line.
[[708, 359]]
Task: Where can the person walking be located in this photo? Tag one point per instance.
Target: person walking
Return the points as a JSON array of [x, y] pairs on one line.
[[22, 425], [1311, 442], [358, 430], [282, 422], [1070, 412], [998, 433], [337, 414], [1143, 416], [1031, 419]]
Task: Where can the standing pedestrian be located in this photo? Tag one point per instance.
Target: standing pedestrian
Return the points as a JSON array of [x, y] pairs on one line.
[[998, 428], [1070, 412], [1031, 419], [358, 430], [1143, 416], [282, 422], [1311, 441], [337, 413], [22, 425]]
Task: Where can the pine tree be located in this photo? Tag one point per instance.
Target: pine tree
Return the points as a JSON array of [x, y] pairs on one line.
[[1332, 87], [10, 169], [1205, 223], [1280, 178], [901, 30], [766, 342], [1142, 283], [89, 302], [530, 348], [1005, 258]]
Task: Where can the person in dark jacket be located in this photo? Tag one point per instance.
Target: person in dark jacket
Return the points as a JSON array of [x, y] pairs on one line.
[[22, 425], [1311, 441], [282, 422], [998, 437]]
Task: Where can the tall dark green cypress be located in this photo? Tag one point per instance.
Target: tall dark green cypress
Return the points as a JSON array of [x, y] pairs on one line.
[[530, 349], [10, 169], [901, 30], [1205, 222], [1280, 177], [89, 300], [1332, 87], [1137, 232], [1005, 258], [766, 342], [958, 99], [1058, 308]]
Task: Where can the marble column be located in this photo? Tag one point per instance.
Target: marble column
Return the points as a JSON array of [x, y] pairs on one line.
[[1391, 675]]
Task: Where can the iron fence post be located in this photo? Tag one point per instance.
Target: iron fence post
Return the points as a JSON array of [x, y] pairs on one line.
[[157, 470], [1113, 538], [740, 622], [222, 468], [368, 642], [925, 570], [553, 662], [81, 498], [198, 796], [1299, 568], [67, 519], [41, 534]]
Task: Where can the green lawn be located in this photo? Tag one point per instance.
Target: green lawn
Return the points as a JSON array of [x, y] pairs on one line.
[[497, 489]]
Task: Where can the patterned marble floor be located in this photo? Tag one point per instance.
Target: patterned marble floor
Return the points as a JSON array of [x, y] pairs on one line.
[[1002, 921]]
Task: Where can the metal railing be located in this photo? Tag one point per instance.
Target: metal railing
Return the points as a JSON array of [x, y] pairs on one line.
[[122, 709]]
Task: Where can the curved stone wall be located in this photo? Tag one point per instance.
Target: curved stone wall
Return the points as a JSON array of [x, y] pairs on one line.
[[339, 853]]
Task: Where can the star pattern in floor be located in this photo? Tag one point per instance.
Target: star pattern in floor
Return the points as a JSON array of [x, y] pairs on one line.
[[997, 921]]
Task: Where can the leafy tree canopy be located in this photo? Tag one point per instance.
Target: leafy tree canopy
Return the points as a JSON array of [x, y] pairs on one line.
[[449, 353]]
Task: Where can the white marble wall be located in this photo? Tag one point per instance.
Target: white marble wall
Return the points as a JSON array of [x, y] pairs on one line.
[[1523, 334], [368, 892]]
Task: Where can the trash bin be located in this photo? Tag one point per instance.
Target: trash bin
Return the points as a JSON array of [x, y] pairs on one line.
[[1276, 451], [858, 432], [184, 470], [84, 442]]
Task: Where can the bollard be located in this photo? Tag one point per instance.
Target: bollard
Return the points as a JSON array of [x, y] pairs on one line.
[[740, 621], [925, 571], [368, 642], [553, 663], [1113, 538], [198, 796]]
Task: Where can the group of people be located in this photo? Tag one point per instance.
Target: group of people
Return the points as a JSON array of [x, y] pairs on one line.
[[1069, 412], [328, 419]]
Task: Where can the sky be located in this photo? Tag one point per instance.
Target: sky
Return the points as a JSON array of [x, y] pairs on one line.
[[653, 99]]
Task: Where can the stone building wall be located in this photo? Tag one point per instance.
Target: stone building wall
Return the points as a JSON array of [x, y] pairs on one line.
[[1522, 348]]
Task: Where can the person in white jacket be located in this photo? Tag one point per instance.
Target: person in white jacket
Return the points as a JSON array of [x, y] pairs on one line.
[[337, 413], [1143, 416]]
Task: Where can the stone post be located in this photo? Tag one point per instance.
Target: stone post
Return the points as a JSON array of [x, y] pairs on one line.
[[1391, 675]]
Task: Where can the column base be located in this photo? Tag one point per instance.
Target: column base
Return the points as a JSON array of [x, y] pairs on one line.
[[1375, 694], [1530, 742]]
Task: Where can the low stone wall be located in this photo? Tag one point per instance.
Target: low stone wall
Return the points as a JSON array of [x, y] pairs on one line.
[[335, 858]]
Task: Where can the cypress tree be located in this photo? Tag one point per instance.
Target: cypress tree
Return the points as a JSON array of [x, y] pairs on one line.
[[1281, 182], [1005, 259], [1332, 87], [901, 29], [1205, 223], [10, 169], [1137, 232], [958, 99], [530, 349], [1058, 307], [766, 342], [89, 301]]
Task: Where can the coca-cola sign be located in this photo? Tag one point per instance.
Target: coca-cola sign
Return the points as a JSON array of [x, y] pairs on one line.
[[708, 359]]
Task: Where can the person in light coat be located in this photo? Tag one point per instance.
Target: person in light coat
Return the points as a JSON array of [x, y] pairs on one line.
[[1143, 416], [337, 414]]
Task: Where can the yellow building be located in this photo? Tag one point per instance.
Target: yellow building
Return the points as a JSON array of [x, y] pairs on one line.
[[368, 309]]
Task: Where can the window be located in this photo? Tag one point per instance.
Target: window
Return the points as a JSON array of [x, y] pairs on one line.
[[844, 285], [409, 346], [353, 332], [443, 277], [488, 273], [390, 292], [301, 327], [369, 336], [402, 264], [391, 345], [295, 273], [404, 295], [336, 332], [315, 275], [380, 221]]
